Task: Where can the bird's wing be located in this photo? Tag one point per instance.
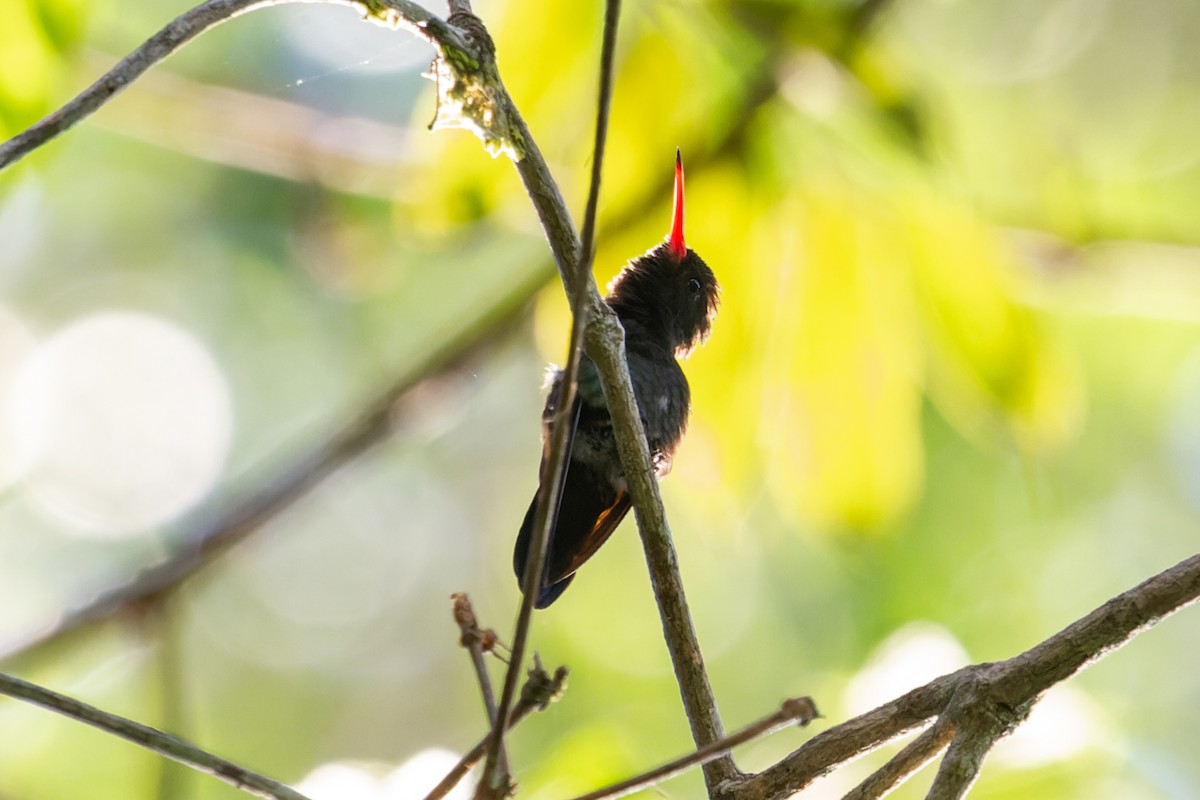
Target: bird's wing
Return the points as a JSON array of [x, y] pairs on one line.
[[588, 514], [524, 538], [569, 549]]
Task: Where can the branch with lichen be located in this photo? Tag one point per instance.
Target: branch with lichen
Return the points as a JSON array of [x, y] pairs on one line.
[[466, 89]]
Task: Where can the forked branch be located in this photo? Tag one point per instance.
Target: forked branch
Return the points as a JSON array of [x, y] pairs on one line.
[[978, 705]]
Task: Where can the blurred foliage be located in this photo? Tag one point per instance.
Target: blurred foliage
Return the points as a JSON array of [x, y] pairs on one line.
[[952, 382]]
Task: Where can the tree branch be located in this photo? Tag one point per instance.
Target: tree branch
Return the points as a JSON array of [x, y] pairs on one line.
[[539, 691], [960, 766], [477, 641], [393, 13], [211, 536], [981, 703], [494, 778], [155, 740], [846, 742], [699, 702], [799, 710], [605, 345], [907, 762]]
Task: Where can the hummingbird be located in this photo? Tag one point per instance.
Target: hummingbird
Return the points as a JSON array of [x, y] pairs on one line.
[[666, 299]]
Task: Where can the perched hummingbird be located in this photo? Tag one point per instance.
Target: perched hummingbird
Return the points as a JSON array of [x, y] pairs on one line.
[[666, 300]]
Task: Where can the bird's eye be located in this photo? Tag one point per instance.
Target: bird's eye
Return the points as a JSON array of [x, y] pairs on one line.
[[694, 285]]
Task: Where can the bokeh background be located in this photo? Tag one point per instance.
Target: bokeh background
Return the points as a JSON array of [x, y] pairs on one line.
[[950, 404]]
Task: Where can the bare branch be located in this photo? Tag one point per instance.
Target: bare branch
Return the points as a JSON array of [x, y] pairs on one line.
[[960, 767], [980, 703], [476, 641], [847, 741], [495, 780], [798, 710], [900, 767], [699, 702], [605, 345], [1100, 632], [539, 691], [187, 26], [155, 740]]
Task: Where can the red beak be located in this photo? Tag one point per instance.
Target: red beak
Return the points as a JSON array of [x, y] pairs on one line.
[[678, 248]]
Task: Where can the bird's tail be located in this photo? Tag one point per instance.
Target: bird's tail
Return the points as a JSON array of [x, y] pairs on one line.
[[546, 594]]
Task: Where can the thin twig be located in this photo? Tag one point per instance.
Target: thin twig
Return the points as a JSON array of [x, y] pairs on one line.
[[495, 780], [539, 691], [556, 466], [473, 638], [476, 640], [900, 767], [155, 740], [797, 710], [396, 13]]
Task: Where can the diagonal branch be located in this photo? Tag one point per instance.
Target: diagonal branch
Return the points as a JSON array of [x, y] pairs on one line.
[[960, 766], [907, 762], [847, 741], [979, 704], [699, 702], [211, 536], [796, 710], [181, 30], [155, 740], [605, 346]]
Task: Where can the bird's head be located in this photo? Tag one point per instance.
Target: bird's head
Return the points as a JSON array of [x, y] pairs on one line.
[[669, 290]]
